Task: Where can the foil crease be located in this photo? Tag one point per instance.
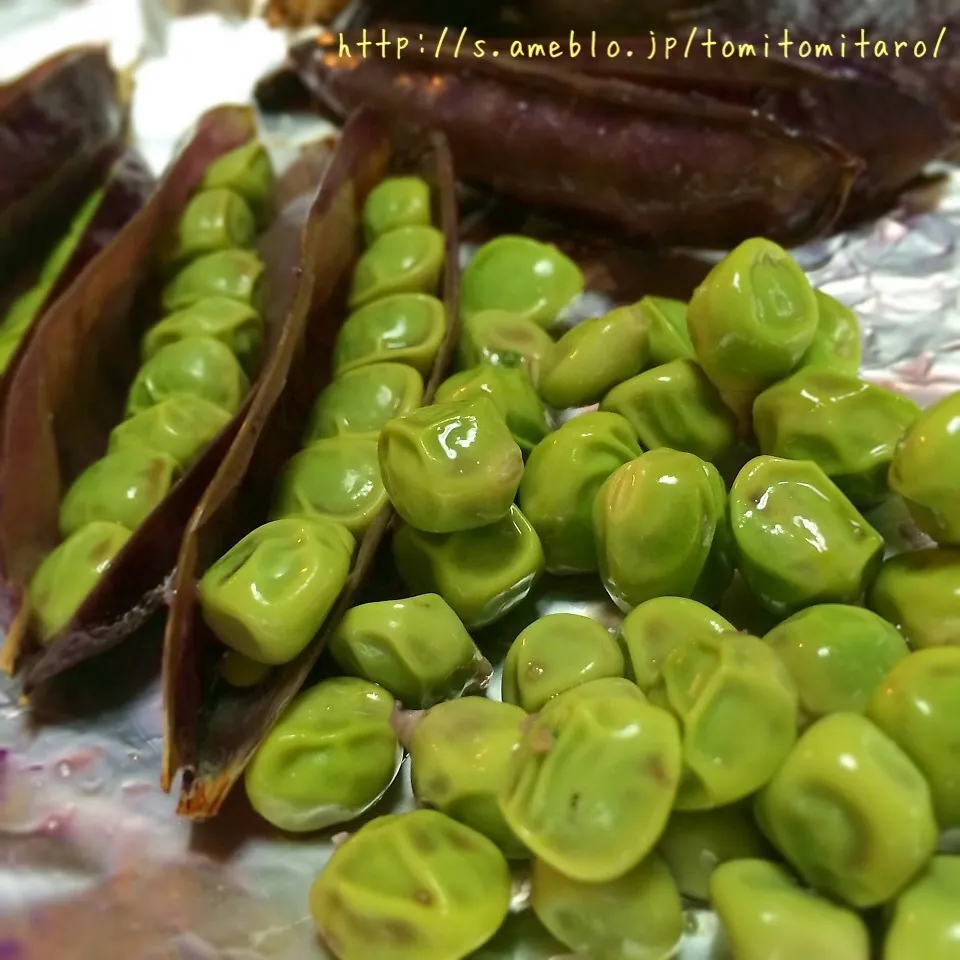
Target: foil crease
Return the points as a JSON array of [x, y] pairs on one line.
[[93, 863]]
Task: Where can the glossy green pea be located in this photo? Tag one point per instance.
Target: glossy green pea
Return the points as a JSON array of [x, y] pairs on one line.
[[594, 356], [66, 576], [234, 274], [837, 655], [636, 915], [239, 671], [360, 401], [850, 811], [199, 366], [800, 541], [460, 755], [416, 648], [676, 406], [563, 474], [122, 487], [236, 325], [406, 328], [393, 203], [926, 470], [592, 784], [482, 573], [405, 260], [656, 522], [694, 845], [503, 339], [737, 707], [247, 170], [650, 631], [522, 937], [766, 914], [919, 593], [752, 320], [329, 757], [741, 607], [450, 466], [925, 920], [413, 886], [849, 428], [216, 219], [267, 596], [557, 653], [669, 336], [522, 276], [836, 344], [513, 394], [917, 705], [336, 479], [182, 426]]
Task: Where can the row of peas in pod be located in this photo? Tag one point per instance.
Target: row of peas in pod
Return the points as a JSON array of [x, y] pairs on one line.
[[196, 368], [267, 596]]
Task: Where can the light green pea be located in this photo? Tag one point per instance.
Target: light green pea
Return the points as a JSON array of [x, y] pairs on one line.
[[405, 260], [925, 920], [836, 344], [234, 274], [393, 203], [216, 219], [241, 672], [503, 339], [248, 171], [668, 333]]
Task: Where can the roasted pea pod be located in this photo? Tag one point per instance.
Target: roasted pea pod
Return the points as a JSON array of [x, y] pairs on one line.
[[503, 339], [405, 260], [394, 203], [925, 918]]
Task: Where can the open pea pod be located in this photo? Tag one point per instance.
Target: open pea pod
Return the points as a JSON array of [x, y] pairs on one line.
[[212, 729]]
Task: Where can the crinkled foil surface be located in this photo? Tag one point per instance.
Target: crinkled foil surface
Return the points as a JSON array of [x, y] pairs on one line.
[[93, 863]]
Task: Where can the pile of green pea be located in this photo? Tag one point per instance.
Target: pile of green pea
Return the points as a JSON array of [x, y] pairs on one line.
[[196, 367], [799, 780]]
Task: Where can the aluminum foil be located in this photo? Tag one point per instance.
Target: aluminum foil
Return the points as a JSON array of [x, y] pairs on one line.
[[93, 863]]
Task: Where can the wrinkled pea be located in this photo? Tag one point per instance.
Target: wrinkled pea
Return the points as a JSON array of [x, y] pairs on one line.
[[592, 784], [416, 648], [669, 336], [68, 573], [248, 171], [766, 914], [594, 356], [450, 466], [503, 339], [800, 541], [522, 276], [405, 260], [482, 573], [330, 756], [850, 811], [460, 755], [925, 920], [234, 274], [411, 886], [638, 914], [836, 344], [393, 203], [239, 671], [267, 596], [563, 474], [215, 219], [557, 653]]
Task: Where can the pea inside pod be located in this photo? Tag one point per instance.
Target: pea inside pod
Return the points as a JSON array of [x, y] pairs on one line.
[[234, 274], [248, 171], [393, 203], [405, 260], [214, 219]]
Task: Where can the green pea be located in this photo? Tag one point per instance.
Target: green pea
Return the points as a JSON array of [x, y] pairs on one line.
[[181, 426], [513, 394], [522, 937], [800, 541], [482, 573], [919, 593], [849, 428], [234, 274], [656, 522], [359, 402], [563, 474], [413, 886], [918, 706], [503, 339], [594, 356], [330, 756], [68, 574], [450, 466], [247, 170], [267, 596], [216, 219], [752, 320], [198, 366], [850, 811], [654, 628], [836, 344], [406, 328], [460, 756], [926, 470], [925, 920], [522, 276], [239, 671], [592, 784], [393, 203], [837, 655], [236, 325], [636, 915], [766, 914], [405, 260], [557, 653], [669, 336], [123, 487]]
